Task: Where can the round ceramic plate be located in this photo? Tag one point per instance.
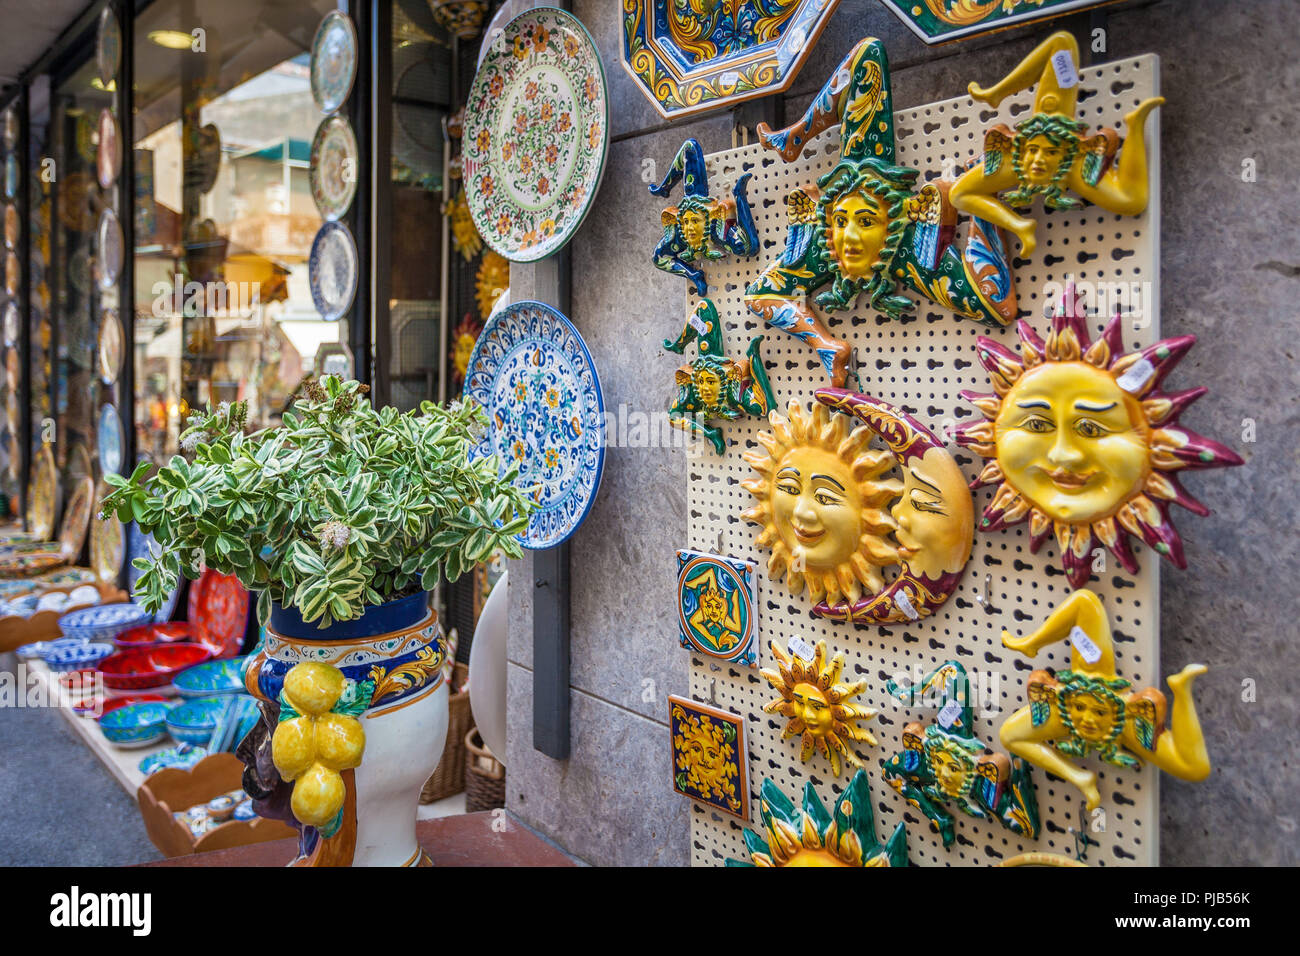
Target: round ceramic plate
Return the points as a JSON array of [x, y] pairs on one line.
[[76, 519], [110, 249], [13, 274], [333, 61], [108, 47], [9, 125], [108, 160], [334, 167], [13, 227], [110, 441], [218, 612], [41, 504], [10, 324], [107, 544], [12, 174], [536, 135], [110, 346], [533, 375], [142, 545], [509, 10], [332, 270]]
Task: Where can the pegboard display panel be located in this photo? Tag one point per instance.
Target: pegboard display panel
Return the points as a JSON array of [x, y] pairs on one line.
[[921, 363]]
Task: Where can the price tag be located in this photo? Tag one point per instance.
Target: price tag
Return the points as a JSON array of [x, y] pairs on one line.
[[1136, 376], [905, 605], [1063, 64], [698, 324], [949, 713], [1084, 644], [801, 649]]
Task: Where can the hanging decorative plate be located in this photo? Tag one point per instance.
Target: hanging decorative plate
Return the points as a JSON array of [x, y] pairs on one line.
[[41, 503], [110, 441], [333, 61], [533, 375], [108, 158], [10, 128], [12, 174], [110, 346], [10, 324], [76, 520], [140, 544], [107, 545], [939, 21], [13, 274], [687, 61], [507, 12], [110, 249], [13, 226], [332, 270], [108, 47], [218, 612], [536, 135], [334, 167]]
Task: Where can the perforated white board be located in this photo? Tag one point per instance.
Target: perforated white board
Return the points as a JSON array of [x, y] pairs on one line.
[[921, 363]]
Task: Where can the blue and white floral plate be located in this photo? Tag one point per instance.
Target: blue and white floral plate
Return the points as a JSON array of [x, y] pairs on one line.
[[332, 271], [534, 377], [110, 440], [211, 679], [141, 544]]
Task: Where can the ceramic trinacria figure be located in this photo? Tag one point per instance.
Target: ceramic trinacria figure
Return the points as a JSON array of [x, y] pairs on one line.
[[1050, 153], [865, 228], [700, 228]]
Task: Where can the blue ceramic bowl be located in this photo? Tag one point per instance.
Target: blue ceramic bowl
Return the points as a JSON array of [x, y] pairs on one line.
[[211, 679], [70, 654], [135, 725], [33, 651], [103, 622], [193, 721], [183, 757]]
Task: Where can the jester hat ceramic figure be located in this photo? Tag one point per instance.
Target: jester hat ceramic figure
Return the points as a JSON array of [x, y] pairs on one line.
[[1050, 153], [712, 385], [945, 763], [1091, 709], [865, 227], [1082, 442], [700, 227], [812, 836]]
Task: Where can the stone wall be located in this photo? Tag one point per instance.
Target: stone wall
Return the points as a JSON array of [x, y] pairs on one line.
[[1231, 260]]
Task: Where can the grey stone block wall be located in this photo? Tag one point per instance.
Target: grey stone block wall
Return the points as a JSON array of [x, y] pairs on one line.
[[1231, 275]]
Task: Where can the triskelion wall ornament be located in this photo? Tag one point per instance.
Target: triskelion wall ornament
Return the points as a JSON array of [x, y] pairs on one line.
[[865, 227], [712, 385], [700, 227], [939, 21], [717, 603], [944, 762], [1082, 442], [1049, 153], [934, 517], [536, 135], [816, 837], [1091, 709], [688, 56], [710, 760], [816, 703]]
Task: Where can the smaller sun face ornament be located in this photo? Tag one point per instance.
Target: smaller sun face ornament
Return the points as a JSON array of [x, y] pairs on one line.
[[1082, 442], [700, 228], [1091, 709], [812, 836], [464, 236], [462, 348], [716, 606], [817, 706], [712, 385], [710, 760], [491, 282], [944, 763]]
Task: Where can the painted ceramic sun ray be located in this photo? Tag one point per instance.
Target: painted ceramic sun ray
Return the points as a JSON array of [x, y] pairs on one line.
[[944, 762], [716, 606], [700, 228], [710, 759], [816, 703], [1083, 444], [813, 836], [1049, 153], [1091, 709], [865, 227], [712, 385], [464, 339]]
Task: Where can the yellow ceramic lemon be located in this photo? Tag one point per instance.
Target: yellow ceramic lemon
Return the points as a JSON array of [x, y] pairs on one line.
[[313, 688], [293, 747], [340, 741], [318, 796]]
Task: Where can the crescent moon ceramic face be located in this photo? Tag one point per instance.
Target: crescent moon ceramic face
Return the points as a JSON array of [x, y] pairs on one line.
[[935, 518]]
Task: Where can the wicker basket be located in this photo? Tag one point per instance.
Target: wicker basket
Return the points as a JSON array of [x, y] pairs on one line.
[[449, 779], [485, 777]]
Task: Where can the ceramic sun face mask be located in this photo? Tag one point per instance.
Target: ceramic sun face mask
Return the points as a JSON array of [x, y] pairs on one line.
[[865, 229], [1082, 442], [1091, 709], [1050, 153]]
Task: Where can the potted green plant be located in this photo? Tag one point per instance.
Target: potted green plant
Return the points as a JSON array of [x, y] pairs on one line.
[[341, 520]]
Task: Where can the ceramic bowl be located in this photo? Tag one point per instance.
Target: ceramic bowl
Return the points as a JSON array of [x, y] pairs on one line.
[[221, 808], [245, 811], [102, 623], [144, 667], [74, 655], [99, 706], [183, 757], [30, 652], [193, 721], [135, 725], [211, 679], [152, 635]]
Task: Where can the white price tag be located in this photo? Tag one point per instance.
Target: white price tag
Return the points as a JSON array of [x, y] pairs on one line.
[[1066, 75], [801, 649], [698, 324], [949, 713], [1136, 376], [905, 605], [1085, 645]]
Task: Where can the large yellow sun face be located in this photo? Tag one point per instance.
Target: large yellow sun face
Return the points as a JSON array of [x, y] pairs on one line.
[[859, 228], [820, 504], [1072, 442], [934, 515]]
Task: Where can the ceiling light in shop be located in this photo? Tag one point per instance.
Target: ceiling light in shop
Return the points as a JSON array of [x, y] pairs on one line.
[[171, 39]]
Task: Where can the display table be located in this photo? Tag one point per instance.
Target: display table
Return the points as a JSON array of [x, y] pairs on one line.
[[491, 838]]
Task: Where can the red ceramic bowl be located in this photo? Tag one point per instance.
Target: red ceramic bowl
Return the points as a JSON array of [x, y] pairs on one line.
[[152, 635], [87, 706], [144, 667]]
